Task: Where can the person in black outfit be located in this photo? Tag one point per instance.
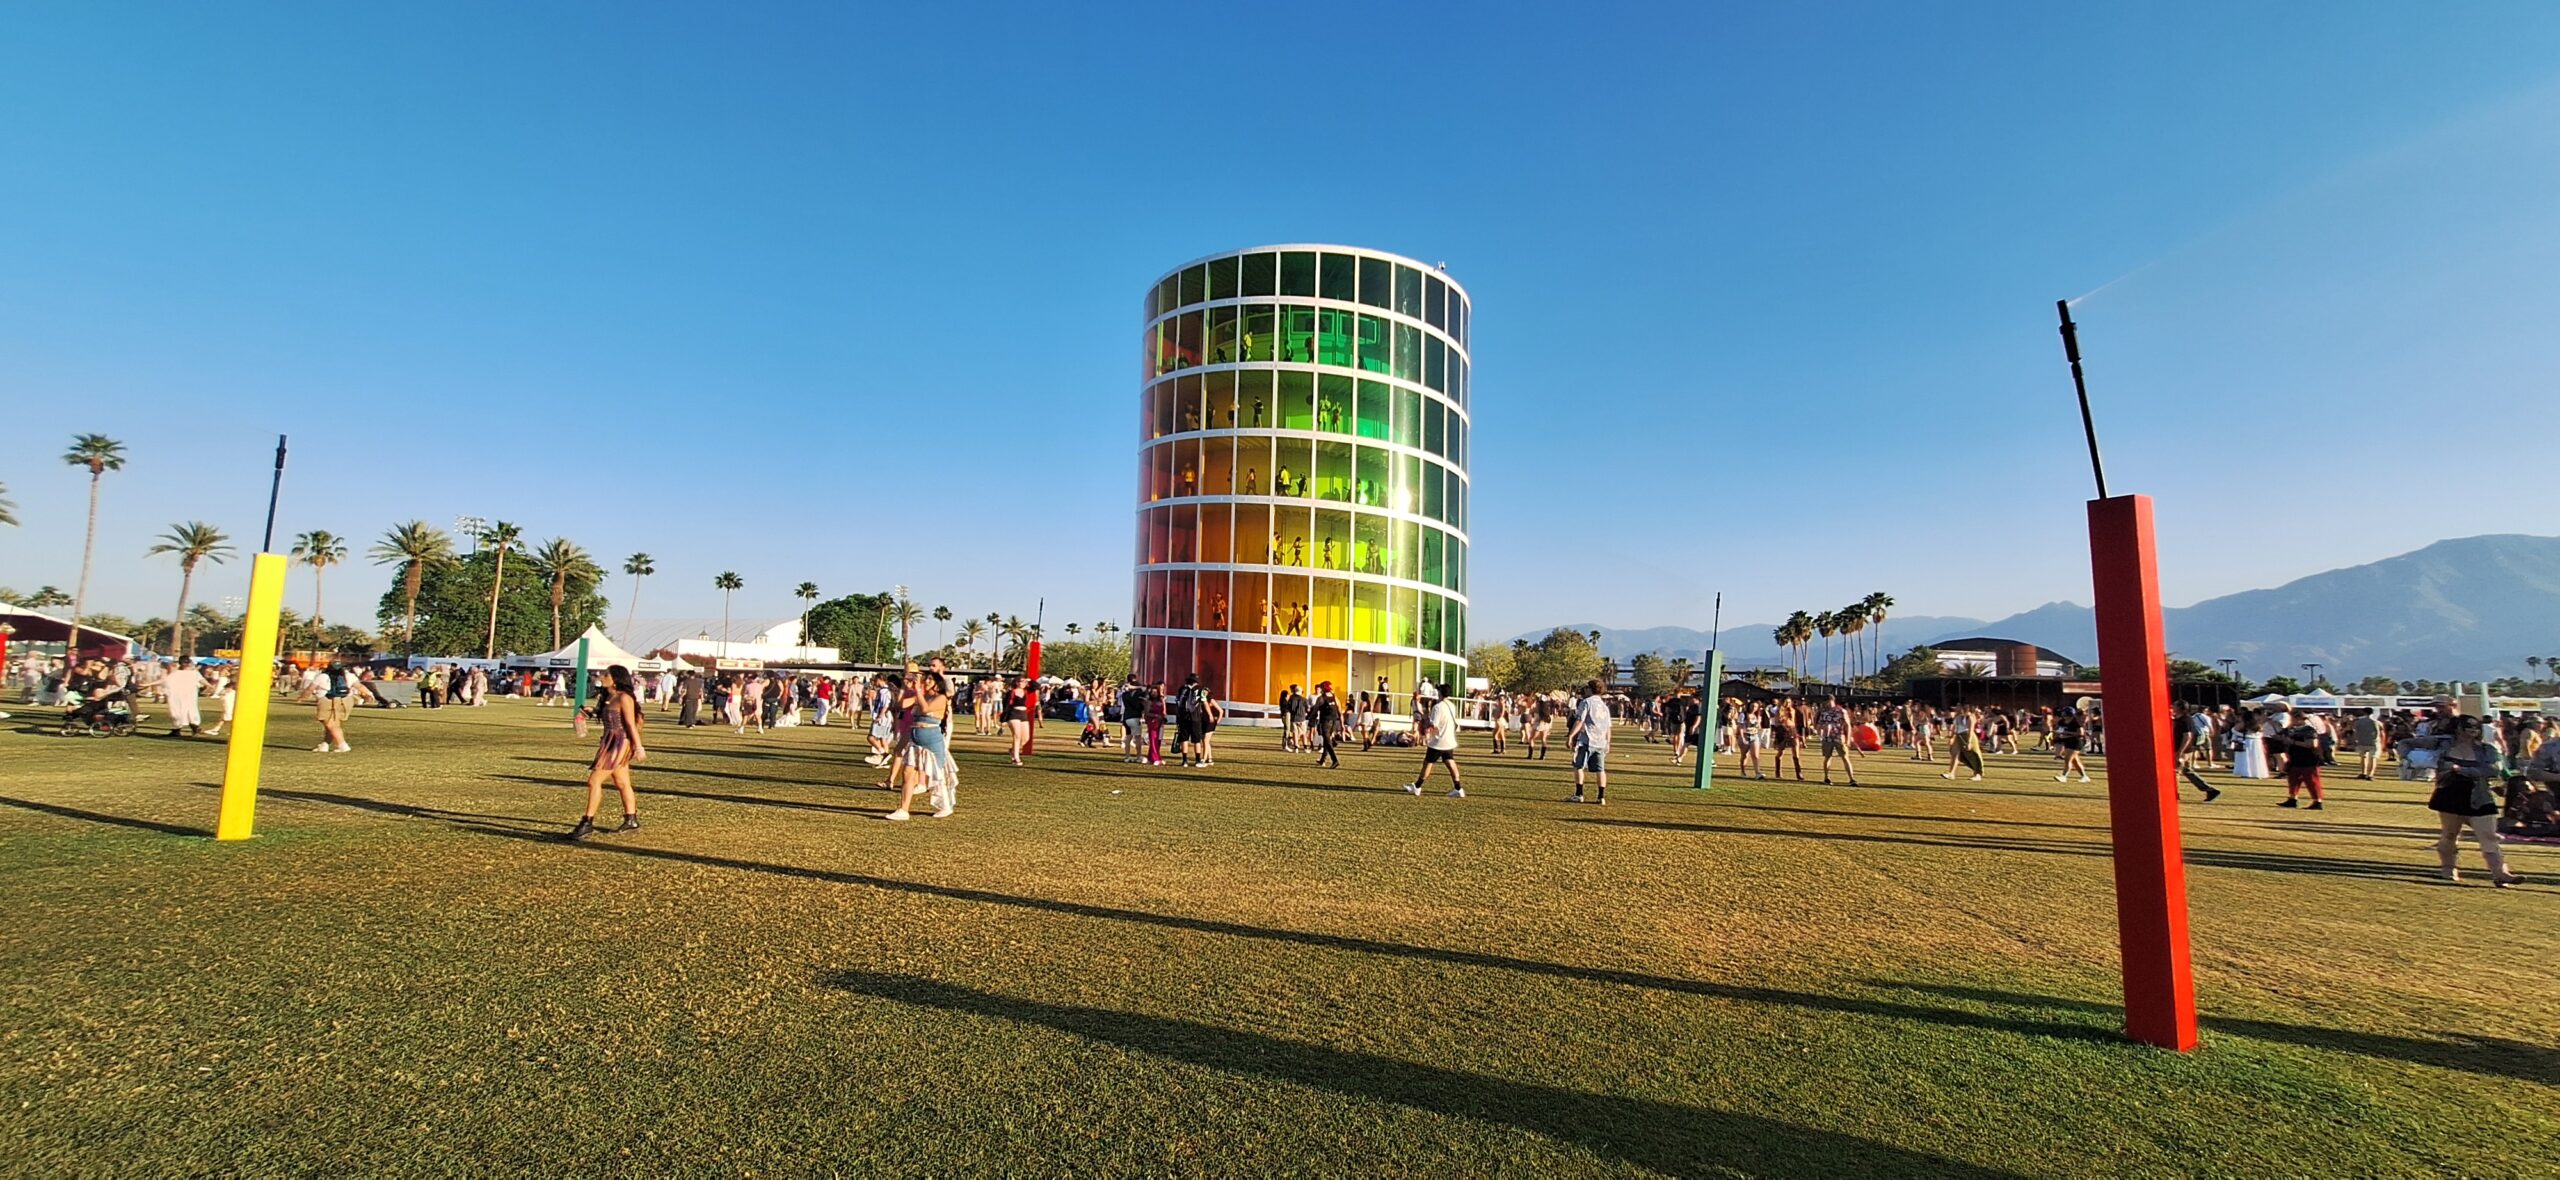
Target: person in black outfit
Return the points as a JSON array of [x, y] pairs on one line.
[[1324, 723], [689, 692]]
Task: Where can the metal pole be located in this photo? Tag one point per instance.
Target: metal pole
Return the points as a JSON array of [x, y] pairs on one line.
[[1710, 697], [274, 489], [2088, 426]]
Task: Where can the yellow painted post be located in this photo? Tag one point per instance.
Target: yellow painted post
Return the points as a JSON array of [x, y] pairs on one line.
[[256, 691]]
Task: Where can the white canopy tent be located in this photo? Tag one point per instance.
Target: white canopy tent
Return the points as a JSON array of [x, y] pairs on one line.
[[602, 652]]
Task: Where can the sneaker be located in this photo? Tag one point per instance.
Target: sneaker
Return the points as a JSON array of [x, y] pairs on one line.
[[586, 827], [322, 748], [2509, 879], [2315, 806], [1457, 792], [1977, 778], [630, 823], [344, 748], [898, 816], [1602, 801], [2062, 778], [2084, 778], [943, 812], [2211, 794], [1949, 776], [1576, 797], [1413, 789], [2289, 803]]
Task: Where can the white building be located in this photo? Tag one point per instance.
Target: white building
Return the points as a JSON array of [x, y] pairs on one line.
[[2003, 657]]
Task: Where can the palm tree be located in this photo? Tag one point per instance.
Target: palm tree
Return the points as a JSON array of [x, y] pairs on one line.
[[193, 542], [1794, 635], [971, 634], [1852, 621], [1680, 671], [48, 596], [502, 539], [806, 592], [1826, 626], [8, 510], [100, 455], [559, 562], [416, 547], [318, 549], [907, 615], [941, 620], [727, 583], [1878, 604], [638, 566], [1015, 632], [1073, 628]]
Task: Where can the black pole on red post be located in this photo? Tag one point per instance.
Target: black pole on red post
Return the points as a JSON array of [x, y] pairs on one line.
[[2142, 776]]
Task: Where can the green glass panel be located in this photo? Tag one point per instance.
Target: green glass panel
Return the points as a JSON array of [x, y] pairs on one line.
[[1222, 336], [1456, 629], [1408, 417], [1341, 277], [1298, 273], [1435, 302], [1377, 282], [1298, 334], [1457, 565], [1404, 554], [1222, 279], [1435, 432], [1261, 331], [1377, 345], [1260, 275], [1377, 408], [1334, 332], [1431, 616], [1195, 285], [1435, 363], [1409, 291], [1407, 496], [1408, 352], [1333, 470], [1434, 502], [1297, 404], [1370, 534], [1333, 403], [1369, 482]]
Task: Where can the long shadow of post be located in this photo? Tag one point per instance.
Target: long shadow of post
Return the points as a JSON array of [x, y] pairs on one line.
[[1665, 1137], [2220, 858], [100, 817]]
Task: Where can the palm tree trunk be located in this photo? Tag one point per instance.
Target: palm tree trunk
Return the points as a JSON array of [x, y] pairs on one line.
[[409, 622], [80, 592], [496, 581], [559, 587], [319, 574], [724, 624], [178, 621]]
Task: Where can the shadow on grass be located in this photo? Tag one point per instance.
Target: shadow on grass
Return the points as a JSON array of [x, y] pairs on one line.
[[2220, 858], [657, 764], [2467, 1052], [709, 796], [99, 817], [383, 807], [1928, 819], [1171, 775], [1664, 1137]]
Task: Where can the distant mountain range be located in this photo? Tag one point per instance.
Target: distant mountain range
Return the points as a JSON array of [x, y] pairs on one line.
[[2471, 608]]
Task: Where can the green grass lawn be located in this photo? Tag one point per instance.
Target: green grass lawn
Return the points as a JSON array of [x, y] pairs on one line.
[[1252, 969]]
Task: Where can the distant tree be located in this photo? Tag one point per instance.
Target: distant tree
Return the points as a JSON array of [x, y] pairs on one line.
[[415, 547], [8, 508], [1101, 659], [972, 633], [638, 565], [452, 615], [1652, 679], [1681, 671], [2375, 686], [1878, 604], [559, 563], [1493, 662], [2285, 685], [319, 549], [1563, 659], [100, 455], [192, 542], [941, 624], [499, 539], [727, 582], [807, 593], [906, 615], [47, 597], [1921, 661], [852, 625]]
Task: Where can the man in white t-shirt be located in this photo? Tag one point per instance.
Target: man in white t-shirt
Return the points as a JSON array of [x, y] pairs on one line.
[[1590, 736], [185, 688], [1439, 741]]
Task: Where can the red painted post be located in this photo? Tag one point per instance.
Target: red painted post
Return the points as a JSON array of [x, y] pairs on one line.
[[2142, 776], [1040, 700]]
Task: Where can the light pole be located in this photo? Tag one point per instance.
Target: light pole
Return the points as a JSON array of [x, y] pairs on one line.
[[2227, 666], [471, 526], [2314, 671]]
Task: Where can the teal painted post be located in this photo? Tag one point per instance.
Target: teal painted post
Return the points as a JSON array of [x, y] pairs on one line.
[[1709, 697], [579, 697]]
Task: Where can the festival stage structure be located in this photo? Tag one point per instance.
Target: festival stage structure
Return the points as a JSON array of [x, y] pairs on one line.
[[1302, 474]]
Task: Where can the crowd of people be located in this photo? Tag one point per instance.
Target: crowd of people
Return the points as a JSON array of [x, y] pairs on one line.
[[2494, 777]]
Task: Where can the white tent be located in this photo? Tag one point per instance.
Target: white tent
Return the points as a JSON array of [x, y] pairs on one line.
[[602, 652]]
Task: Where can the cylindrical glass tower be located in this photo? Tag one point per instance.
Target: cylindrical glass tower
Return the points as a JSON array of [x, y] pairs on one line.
[[1302, 475]]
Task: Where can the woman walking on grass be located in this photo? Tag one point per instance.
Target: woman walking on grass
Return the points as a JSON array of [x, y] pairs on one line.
[[618, 707], [2466, 766], [1020, 700], [925, 764], [1964, 744]]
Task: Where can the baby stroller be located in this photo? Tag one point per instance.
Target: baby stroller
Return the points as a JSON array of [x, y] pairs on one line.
[[100, 717]]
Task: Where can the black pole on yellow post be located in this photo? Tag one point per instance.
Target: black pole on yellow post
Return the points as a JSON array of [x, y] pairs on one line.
[[257, 674]]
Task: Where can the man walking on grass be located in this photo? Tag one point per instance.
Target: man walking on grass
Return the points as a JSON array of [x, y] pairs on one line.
[[1439, 740], [1133, 721], [1590, 737], [1832, 722]]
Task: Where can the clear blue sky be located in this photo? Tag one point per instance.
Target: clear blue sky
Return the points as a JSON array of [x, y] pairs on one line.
[[1763, 294]]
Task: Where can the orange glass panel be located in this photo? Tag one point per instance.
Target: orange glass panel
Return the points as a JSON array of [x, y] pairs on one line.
[[1288, 668], [1248, 672], [1177, 600], [1211, 614], [1182, 544], [1217, 536], [1330, 663], [1250, 598]]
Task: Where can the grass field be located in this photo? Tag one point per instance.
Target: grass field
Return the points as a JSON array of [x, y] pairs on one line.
[[1251, 969]]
